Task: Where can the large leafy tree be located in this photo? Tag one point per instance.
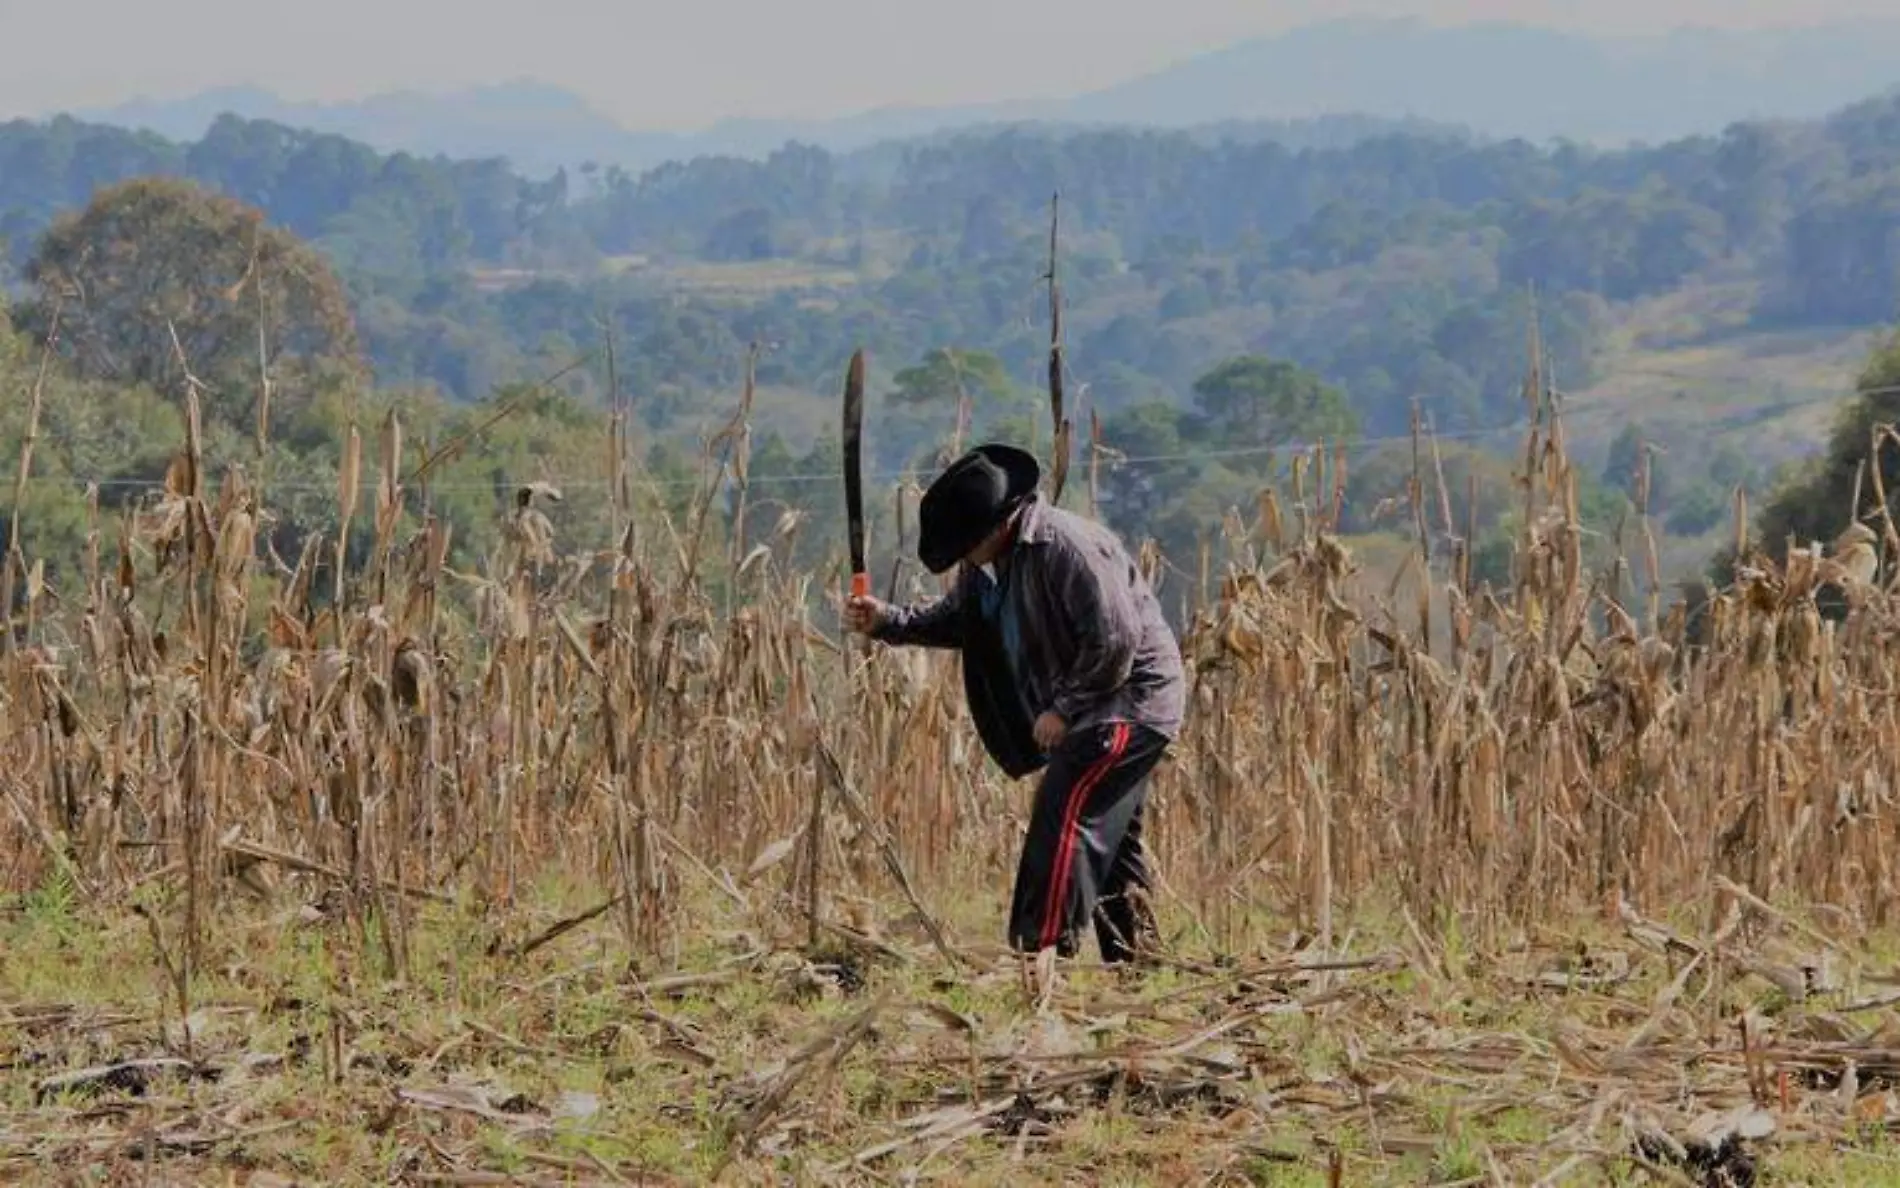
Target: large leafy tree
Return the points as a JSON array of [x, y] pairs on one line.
[[927, 399], [156, 268], [1254, 400], [946, 374]]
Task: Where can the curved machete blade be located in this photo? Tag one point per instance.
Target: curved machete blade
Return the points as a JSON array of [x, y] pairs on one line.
[[853, 474]]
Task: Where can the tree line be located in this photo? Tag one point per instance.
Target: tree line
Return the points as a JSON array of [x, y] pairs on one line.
[[1388, 264]]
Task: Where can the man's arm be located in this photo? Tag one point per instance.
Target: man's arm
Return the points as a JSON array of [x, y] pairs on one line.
[[934, 624], [1089, 584]]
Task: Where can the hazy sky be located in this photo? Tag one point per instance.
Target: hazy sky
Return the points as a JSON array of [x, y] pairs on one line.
[[686, 63]]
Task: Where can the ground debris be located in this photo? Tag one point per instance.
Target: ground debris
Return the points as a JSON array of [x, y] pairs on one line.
[[1711, 1149], [42, 1017], [1024, 1116], [1503, 1073], [491, 1102], [764, 1097], [1726, 1164], [132, 1077]]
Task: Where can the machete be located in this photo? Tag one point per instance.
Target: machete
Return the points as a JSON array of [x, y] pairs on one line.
[[853, 475]]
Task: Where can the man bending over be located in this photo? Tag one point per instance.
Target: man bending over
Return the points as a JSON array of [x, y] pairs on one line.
[[1069, 668]]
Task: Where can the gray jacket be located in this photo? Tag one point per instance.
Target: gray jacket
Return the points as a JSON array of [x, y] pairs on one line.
[[1069, 625]]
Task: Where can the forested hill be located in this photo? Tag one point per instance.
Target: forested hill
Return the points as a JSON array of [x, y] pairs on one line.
[[1378, 264], [1394, 272]]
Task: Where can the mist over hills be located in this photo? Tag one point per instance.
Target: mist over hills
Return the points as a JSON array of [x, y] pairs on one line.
[[1509, 80], [541, 128], [1318, 86]]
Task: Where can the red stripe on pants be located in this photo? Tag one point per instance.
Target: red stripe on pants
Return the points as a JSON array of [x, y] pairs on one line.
[[1065, 844]]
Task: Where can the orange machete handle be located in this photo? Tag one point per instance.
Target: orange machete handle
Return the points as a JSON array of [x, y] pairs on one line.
[[860, 585]]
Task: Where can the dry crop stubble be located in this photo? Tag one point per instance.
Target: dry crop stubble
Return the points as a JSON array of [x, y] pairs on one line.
[[1493, 882]]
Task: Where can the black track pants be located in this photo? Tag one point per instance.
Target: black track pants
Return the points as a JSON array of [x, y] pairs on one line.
[[1083, 854]]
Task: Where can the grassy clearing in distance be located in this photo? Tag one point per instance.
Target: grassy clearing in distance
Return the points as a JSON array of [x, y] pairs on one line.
[[1696, 376], [753, 278], [737, 280]]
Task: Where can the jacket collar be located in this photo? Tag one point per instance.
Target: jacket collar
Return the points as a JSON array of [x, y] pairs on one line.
[[1033, 526]]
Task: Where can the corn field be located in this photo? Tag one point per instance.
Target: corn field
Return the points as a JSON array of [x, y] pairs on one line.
[[205, 717]]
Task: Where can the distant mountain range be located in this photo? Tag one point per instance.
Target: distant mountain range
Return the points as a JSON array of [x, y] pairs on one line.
[[540, 128], [1312, 86]]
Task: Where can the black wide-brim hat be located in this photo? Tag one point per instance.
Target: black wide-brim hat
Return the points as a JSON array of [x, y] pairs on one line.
[[969, 499]]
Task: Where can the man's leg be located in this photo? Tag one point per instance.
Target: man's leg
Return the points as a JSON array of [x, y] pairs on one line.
[[1124, 916], [1089, 794]]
